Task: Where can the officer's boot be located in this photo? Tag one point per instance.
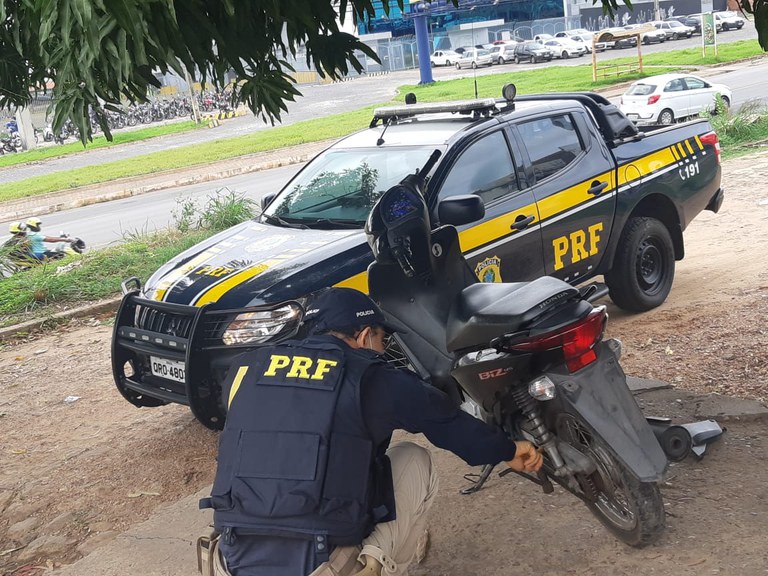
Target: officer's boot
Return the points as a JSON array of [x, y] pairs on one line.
[[372, 567]]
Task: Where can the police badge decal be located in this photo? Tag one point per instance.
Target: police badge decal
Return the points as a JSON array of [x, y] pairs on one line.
[[489, 270]]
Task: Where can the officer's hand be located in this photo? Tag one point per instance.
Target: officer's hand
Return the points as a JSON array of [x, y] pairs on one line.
[[527, 458]]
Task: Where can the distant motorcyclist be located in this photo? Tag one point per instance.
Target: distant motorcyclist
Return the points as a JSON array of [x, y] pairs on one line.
[[18, 244], [37, 240]]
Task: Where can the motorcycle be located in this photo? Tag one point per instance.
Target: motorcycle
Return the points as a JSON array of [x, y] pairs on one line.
[[15, 256], [527, 357]]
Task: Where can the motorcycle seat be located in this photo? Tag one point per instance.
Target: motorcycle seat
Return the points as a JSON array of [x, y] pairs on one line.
[[483, 311]]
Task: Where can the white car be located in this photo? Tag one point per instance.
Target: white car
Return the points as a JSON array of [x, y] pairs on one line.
[[473, 57], [729, 20], [565, 48], [542, 38], [443, 57], [665, 98], [650, 33], [503, 53], [674, 29], [585, 39]]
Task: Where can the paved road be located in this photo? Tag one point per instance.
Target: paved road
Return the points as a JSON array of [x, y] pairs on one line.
[[322, 100]]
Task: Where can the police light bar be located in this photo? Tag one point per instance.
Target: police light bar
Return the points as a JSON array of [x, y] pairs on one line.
[[455, 106]]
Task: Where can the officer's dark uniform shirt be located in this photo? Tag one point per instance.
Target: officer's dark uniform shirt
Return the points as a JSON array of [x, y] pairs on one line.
[[391, 400]]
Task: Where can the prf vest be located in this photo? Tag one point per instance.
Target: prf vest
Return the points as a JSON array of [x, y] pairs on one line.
[[295, 458]]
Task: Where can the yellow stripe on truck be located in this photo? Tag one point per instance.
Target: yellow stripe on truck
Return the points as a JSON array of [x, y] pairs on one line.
[[216, 291], [358, 282], [174, 275]]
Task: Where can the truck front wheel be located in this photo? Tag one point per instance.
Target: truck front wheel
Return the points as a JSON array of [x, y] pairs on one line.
[[643, 267]]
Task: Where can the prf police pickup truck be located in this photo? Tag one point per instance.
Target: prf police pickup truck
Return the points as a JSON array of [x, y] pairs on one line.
[[571, 189]]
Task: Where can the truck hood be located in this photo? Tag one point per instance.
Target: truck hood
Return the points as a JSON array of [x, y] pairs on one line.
[[255, 263]]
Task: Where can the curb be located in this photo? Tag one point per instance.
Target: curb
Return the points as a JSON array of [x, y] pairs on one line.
[[30, 326]]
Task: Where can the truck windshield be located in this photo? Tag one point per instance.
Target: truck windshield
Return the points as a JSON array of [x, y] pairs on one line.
[[340, 186]]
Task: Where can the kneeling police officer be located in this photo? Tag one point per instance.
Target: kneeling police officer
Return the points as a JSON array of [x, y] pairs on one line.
[[307, 481]]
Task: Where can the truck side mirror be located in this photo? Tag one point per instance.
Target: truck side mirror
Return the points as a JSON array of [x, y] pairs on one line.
[[266, 200], [461, 209]]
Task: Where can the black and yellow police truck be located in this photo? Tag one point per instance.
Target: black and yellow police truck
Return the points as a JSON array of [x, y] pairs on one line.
[[571, 189]]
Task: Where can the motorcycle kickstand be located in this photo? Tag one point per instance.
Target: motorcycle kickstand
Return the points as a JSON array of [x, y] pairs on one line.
[[484, 474], [541, 479]]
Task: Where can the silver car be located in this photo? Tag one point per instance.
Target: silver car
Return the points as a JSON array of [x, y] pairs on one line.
[[474, 57]]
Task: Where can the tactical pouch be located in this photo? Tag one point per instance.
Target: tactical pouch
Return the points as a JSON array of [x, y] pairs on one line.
[[206, 549]]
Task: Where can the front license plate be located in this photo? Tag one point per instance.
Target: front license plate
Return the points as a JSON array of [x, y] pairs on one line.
[[633, 116], [168, 369]]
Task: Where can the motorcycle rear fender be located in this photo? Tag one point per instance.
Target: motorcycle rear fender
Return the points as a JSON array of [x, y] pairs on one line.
[[598, 395]]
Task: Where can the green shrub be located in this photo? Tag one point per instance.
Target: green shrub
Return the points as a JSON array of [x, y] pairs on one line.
[[222, 210]]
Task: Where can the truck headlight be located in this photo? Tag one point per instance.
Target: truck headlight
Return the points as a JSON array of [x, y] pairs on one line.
[[262, 325]]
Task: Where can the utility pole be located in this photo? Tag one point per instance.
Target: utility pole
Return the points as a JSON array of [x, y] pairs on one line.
[[193, 100]]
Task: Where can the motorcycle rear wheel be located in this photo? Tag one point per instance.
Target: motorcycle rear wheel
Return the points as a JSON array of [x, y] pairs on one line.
[[631, 510]]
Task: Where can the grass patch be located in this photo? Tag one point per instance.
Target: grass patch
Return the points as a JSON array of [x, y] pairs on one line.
[[41, 290], [692, 58], [100, 141], [739, 131]]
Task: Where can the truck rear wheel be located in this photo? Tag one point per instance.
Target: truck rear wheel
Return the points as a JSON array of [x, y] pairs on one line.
[[643, 266]]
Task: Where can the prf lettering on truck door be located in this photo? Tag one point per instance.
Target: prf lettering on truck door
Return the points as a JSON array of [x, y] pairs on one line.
[[576, 246]]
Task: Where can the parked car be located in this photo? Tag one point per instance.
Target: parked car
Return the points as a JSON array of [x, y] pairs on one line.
[[503, 53], [473, 57], [691, 21], [616, 43], [665, 98], [674, 30], [649, 35], [542, 38], [730, 20], [585, 39], [565, 48], [443, 57], [532, 52], [718, 21]]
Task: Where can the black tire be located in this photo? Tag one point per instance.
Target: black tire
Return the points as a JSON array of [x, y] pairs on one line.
[[447, 62], [458, 66], [517, 59], [474, 65], [564, 55], [666, 117], [631, 510], [675, 36], [500, 61], [643, 266]]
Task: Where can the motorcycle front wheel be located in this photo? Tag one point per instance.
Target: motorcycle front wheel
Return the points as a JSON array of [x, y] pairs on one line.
[[630, 509]]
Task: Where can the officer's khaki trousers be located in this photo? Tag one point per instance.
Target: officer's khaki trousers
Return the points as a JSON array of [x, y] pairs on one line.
[[394, 544]]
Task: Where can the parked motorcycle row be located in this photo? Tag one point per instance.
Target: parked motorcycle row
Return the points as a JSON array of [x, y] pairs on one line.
[[131, 115]]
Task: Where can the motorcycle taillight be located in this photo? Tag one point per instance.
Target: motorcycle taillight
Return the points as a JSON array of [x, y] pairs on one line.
[[577, 340]]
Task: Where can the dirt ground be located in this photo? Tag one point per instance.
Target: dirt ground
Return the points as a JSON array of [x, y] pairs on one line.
[[84, 465]]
